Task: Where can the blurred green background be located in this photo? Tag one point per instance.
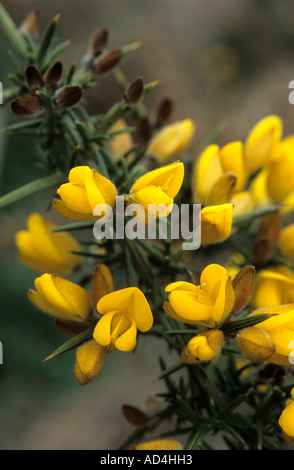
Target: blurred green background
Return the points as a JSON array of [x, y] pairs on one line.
[[221, 62]]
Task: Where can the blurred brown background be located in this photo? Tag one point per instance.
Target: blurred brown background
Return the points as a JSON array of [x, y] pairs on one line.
[[221, 62]]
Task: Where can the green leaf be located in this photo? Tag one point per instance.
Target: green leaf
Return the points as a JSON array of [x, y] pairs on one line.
[[249, 217], [170, 370], [237, 325], [12, 33], [72, 343], [47, 39], [30, 188], [20, 126], [81, 225]]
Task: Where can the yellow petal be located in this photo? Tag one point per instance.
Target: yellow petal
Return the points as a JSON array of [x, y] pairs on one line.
[[232, 161], [160, 444], [216, 223], [223, 189], [102, 283], [207, 170], [169, 178], [261, 140], [171, 140], [89, 361], [286, 420]]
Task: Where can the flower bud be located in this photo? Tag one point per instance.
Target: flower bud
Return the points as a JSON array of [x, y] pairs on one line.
[[26, 107], [99, 40], [89, 361], [33, 78], [155, 191], [216, 223], [61, 298], [286, 242], [255, 344], [31, 24], [53, 75], [170, 141], [107, 61], [242, 285], [204, 347], [160, 444], [85, 190], [134, 416], [120, 143], [101, 285], [163, 112], [286, 420], [261, 141], [68, 96], [43, 250], [134, 92]]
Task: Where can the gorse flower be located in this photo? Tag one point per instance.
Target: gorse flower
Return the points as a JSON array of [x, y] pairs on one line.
[[89, 361], [261, 141], [280, 329], [159, 444], [286, 420], [123, 313], [219, 173], [155, 191], [45, 251], [204, 347], [216, 223], [207, 304], [61, 298], [171, 140], [273, 287], [85, 190]]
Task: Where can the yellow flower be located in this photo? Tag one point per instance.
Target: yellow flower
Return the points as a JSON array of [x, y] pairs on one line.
[[160, 444], [89, 361], [121, 143], [123, 313], [273, 287], [158, 188], [204, 347], [61, 298], [286, 420], [207, 304], [84, 191], [261, 141], [43, 250], [219, 173], [216, 223], [255, 344], [280, 329], [280, 177], [171, 140], [286, 241]]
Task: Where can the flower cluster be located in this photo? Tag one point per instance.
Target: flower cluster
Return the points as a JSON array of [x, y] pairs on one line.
[[232, 298]]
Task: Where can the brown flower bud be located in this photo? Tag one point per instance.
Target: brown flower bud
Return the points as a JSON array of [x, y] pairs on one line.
[[26, 107], [163, 112], [242, 285], [31, 24], [144, 129], [101, 285], [68, 96], [53, 75], [134, 415], [267, 237], [33, 78], [134, 92], [105, 62], [99, 40]]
